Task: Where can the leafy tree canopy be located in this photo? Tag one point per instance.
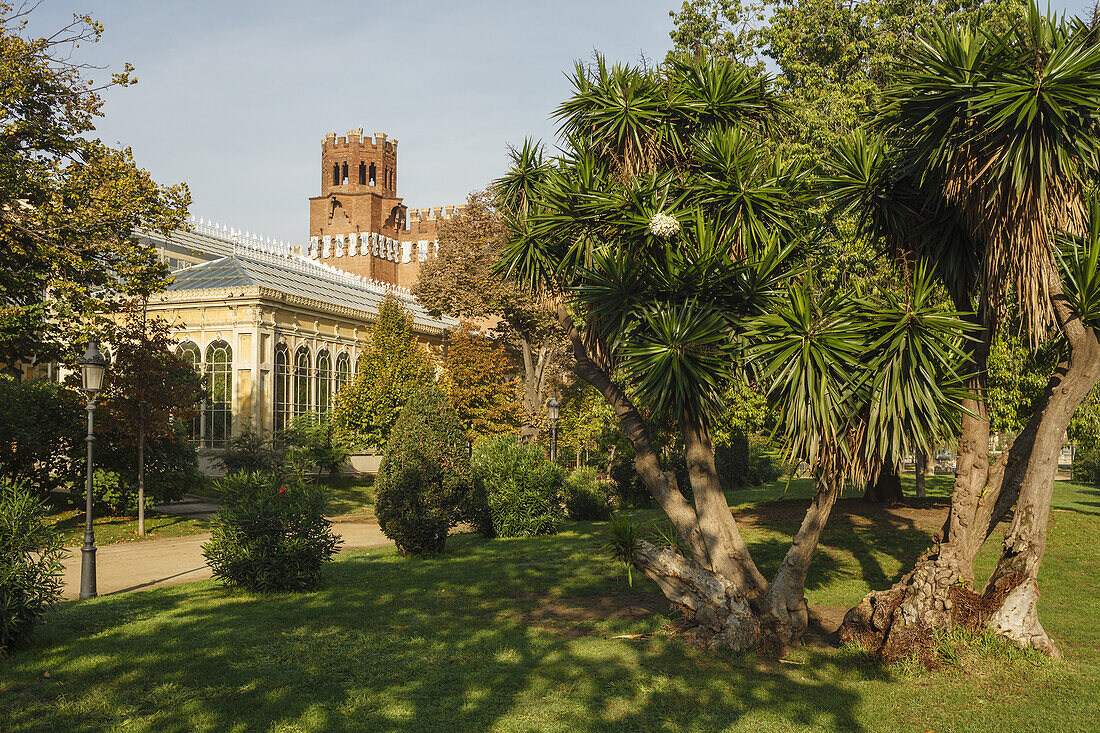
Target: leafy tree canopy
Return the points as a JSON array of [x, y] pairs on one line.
[[68, 203], [478, 379], [393, 366]]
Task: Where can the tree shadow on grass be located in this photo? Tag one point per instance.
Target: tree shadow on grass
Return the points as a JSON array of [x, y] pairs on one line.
[[406, 645]]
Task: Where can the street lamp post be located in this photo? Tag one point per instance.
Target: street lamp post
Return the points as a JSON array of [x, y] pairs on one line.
[[554, 411], [92, 366]]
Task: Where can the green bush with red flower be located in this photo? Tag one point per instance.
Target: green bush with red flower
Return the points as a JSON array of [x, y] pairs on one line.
[[271, 534]]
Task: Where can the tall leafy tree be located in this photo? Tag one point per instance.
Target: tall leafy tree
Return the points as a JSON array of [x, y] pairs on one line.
[[151, 394], [460, 281], [477, 375], [391, 369], [68, 203], [979, 162]]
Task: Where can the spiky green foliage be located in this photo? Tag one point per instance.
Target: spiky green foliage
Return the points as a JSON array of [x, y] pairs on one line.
[[30, 564]]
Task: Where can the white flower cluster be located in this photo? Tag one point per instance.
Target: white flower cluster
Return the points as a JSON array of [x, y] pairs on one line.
[[663, 226]]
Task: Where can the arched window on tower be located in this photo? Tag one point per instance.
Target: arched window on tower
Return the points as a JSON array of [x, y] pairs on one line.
[[344, 174], [335, 174], [362, 174], [324, 382], [303, 378], [219, 394], [343, 371], [282, 388], [189, 352], [373, 173]]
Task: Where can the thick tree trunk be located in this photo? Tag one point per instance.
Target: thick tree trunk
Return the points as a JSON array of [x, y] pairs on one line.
[[726, 600], [939, 591], [786, 597], [720, 615], [899, 620], [1015, 578], [729, 554], [922, 470], [885, 488]]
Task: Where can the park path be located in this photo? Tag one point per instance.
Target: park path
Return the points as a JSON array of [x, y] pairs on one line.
[[130, 566]]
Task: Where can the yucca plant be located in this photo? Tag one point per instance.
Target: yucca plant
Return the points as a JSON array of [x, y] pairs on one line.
[[978, 167]]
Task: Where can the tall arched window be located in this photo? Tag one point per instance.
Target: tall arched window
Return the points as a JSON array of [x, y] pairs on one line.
[[189, 352], [303, 378], [324, 382], [343, 371], [219, 394], [282, 388]]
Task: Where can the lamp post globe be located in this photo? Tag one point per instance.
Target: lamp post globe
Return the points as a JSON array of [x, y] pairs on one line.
[[93, 365], [553, 411]]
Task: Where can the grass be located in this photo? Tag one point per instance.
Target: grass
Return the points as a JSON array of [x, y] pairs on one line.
[[520, 635], [350, 494], [112, 530]]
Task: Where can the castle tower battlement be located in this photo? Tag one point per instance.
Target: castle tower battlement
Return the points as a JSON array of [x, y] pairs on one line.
[[358, 223]]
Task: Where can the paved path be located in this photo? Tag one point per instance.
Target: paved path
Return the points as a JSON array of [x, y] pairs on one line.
[[152, 563]]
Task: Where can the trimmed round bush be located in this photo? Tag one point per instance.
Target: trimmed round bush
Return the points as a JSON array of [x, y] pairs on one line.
[[517, 491], [270, 535], [30, 564], [423, 483], [587, 498]]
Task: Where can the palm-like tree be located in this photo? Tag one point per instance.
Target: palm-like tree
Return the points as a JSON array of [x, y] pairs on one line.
[[665, 232], [979, 161]]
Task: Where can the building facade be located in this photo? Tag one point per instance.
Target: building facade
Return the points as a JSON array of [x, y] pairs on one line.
[[275, 333]]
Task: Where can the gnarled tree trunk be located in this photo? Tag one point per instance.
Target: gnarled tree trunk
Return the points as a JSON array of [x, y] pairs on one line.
[[939, 591], [725, 598]]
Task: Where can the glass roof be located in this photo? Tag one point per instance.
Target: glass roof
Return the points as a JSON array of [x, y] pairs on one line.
[[291, 274]]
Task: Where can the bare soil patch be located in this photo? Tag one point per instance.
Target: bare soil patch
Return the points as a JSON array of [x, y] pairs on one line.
[[925, 514]]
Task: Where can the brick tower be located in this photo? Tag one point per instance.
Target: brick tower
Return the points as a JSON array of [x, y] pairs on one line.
[[358, 223]]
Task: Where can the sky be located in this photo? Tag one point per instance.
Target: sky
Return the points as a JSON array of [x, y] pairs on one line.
[[234, 97]]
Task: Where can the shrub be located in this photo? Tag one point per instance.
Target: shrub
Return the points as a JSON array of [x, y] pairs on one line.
[[586, 497], [424, 480], [745, 462], [517, 491], [42, 433], [270, 535], [1086, 467], [250, 453], [30, 564], [312, 441], [110, 495], [629, 488]]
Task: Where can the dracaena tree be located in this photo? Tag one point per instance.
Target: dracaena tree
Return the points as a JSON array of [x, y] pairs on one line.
[[664, 235], [978, 165]]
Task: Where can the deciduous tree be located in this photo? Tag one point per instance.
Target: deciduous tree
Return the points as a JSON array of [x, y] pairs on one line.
[[478, 379], [68, 203], [461, 282]]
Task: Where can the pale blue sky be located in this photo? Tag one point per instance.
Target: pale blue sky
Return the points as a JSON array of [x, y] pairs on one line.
[[234, 96]]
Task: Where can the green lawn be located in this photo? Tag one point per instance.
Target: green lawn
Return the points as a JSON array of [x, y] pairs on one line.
[[518, 635], [110, 530], [348, 495]]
